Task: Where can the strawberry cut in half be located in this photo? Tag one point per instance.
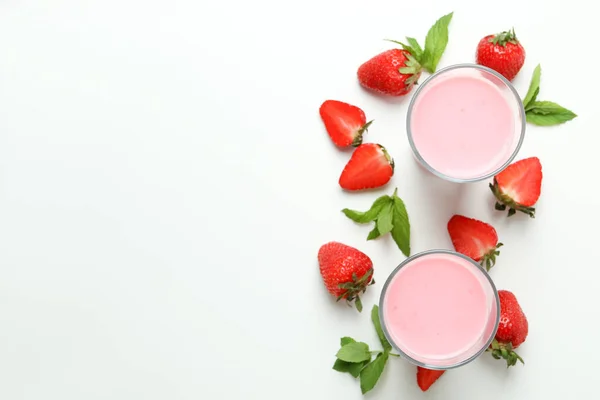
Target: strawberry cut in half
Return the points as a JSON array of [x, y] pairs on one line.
[[369, 167], [475, 239], [427, 377], [518, 187], [344, 122]]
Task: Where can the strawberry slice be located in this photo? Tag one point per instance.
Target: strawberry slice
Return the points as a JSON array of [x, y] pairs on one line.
[[519, 186], [427, 377], [369, 167], [344, 122], [474, 239]]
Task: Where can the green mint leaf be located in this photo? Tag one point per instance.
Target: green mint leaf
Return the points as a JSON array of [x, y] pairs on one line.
[[417, 51], [377, 323], [534, 86], [374, 234], [401, 230], [345, 340], [384, 219], [370, 374], [354, 352], [355, 368], [371, 214], [547, 113], [435, 43], [351, 368]]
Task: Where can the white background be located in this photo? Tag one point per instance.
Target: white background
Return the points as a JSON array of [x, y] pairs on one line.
[[166, 182]]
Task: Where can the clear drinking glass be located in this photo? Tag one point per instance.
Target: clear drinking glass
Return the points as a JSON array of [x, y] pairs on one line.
[[465, 123], [439, 309]]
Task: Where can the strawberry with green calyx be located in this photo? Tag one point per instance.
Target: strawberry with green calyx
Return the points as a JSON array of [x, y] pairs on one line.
[[543, 113], [390, 216], [501, 52], [346, 272], [475, 239], [345, 123], [427, 377], [369, 167], [518, 187], [356, 358], [512, 330], [394, 72]]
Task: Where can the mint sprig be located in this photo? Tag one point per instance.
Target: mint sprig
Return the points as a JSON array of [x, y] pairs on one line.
[[390, 216], [355, 357], [429, 56], [435, 43], [543, 113], [354, 352], [350, 367]]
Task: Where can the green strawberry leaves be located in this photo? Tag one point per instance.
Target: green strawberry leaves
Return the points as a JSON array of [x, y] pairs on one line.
[[355, 357], [390, 216], [543, 113], [505, 351], [429, 56]]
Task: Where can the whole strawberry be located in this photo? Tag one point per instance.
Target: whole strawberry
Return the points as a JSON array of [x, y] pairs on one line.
[[345, 123], [519, 186], [501, 52], [370, 166], [346, 271], [475, 239], [394, 72], [512, 329]]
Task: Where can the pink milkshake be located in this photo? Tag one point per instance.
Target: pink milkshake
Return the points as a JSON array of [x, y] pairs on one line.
[[439, 309], [466, 123]]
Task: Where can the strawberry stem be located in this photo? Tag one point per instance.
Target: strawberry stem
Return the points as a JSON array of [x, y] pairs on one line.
[[489, 260], [504, 351], [505, 37], [355, 287], [506, 201], [412, 68], [359, 135]]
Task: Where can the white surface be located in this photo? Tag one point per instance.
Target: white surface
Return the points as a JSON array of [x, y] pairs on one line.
[[166, 182]]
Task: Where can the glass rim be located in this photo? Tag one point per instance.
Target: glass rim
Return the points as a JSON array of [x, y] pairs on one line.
[[408, 261], [451, 68]]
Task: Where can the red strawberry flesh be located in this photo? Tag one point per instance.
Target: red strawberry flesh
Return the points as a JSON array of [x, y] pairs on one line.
[[427, 377], [475, 239], [519, 186], [369, 167], [345, 123]]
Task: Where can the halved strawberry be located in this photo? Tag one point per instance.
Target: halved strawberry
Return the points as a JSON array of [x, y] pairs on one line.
[[369, 167], [344, 122], [475, 239], [427, 377], [519, 186]]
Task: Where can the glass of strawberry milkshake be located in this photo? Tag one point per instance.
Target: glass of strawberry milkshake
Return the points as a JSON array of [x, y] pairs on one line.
[[439, 309], [465, 123]]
